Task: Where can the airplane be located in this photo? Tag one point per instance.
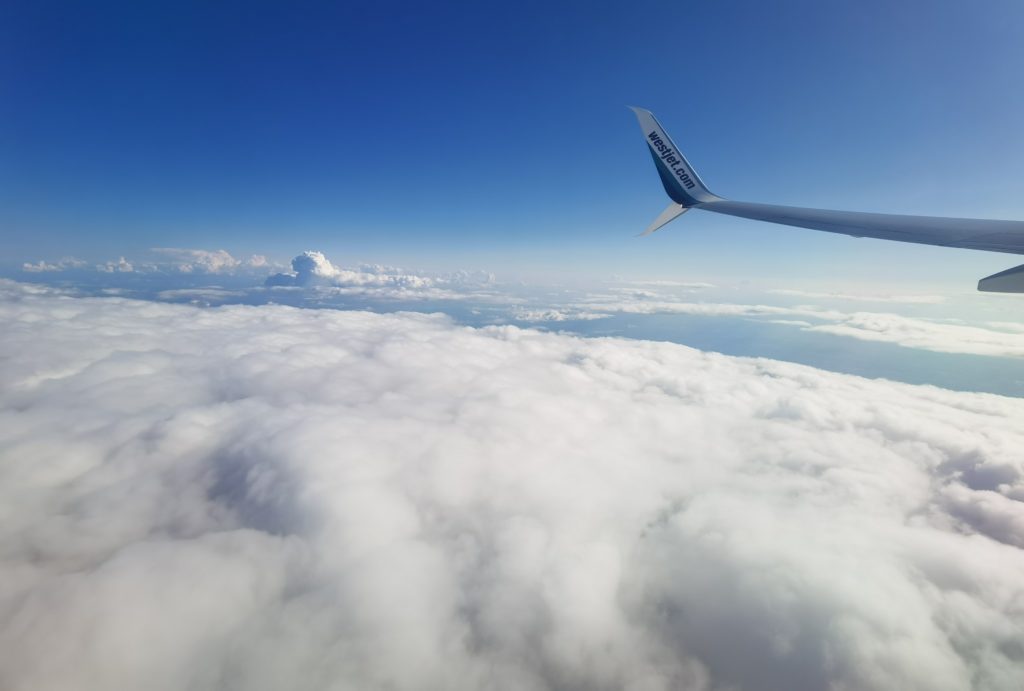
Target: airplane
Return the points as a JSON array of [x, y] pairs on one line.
[[687, 191]]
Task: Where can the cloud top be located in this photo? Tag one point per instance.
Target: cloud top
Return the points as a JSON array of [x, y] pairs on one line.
[[267, 497], [313, 269], [166, 260], [208, 261], [1002, 339]]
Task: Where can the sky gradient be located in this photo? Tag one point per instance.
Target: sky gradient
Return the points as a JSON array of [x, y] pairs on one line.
[[496, 137], [330, 359]]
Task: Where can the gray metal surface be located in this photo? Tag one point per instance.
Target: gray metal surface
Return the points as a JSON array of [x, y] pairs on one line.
[[966, 233]]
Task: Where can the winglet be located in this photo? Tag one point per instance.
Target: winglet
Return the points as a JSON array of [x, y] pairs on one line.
[[673, 212], [1009, 281], [681, 182]]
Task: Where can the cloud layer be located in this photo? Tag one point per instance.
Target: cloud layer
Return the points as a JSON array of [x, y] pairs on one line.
[[324, 282], [312, 269], [63, 264], [267, 498], [208, 261], [1001, 339], [174, 260]]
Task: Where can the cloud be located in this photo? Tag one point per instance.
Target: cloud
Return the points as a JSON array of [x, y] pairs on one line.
[[905, 299], [327, 282], [1006, 340], [122, 265], [525, 314], [313, 269], [308, 268], [12, 291], [164, 260], [690, 285], [645, 305], [207, 261], [200, 296], [62, 264], [1014, 327], [927, 335], [267, 497]]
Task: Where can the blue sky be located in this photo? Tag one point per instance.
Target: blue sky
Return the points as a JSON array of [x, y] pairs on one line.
[[495, 136], [460, 428]]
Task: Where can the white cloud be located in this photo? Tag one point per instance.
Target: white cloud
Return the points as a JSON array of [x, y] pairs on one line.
[[865, 297], [690, 285], [554, 315], [1007, 340], [200, 296], [648, 306], [62, 264], [1015, 327], [122, 265], [267, 497], [15, 290], [168, 260], [927, 335], [206, 261], [313, 269]]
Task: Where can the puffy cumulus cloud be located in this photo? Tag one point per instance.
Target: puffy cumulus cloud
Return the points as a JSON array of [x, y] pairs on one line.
[[62, 264], [164, 260], [206, 261], [267, 497], [313, 269], [122, 265], [307, 268]]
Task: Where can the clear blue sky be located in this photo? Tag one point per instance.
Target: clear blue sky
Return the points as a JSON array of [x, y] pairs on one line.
[[487, 135]]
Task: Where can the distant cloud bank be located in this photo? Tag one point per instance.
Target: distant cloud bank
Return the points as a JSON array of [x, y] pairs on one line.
[[268, 497], [313, 269], [62, 264], [865, 297], [200, 276], [164, 260], [209, 261], [1001, 339], [310, 269]]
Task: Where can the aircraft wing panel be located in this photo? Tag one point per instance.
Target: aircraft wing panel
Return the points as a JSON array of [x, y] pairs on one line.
[[973, 233], [688, 191]]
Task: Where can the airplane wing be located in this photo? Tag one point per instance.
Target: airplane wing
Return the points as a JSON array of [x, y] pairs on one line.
[[688, 191]]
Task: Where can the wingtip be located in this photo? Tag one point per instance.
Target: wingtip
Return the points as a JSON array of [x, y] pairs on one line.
[[1009, 281]]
